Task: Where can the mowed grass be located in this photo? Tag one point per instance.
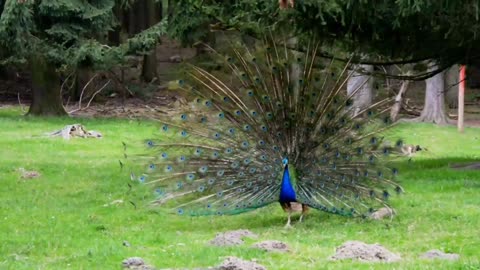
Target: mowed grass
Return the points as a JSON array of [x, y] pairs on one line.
[[62, 219]]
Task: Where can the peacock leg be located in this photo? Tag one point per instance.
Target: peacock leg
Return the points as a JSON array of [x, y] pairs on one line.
[[304, 212], [289, 220]]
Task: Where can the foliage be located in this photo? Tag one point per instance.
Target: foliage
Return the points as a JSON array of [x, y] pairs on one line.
[[67, 33], [192, 19], [59, 221], [404, 29]]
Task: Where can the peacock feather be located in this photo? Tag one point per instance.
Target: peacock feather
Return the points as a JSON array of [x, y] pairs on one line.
[[268, 125]]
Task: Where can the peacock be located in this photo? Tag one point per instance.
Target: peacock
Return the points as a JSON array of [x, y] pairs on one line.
[[267, 124]]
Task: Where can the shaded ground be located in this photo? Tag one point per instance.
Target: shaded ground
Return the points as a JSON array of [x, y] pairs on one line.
[[141, 99]]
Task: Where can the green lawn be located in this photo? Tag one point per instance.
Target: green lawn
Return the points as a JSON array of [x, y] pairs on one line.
[[59, 221]]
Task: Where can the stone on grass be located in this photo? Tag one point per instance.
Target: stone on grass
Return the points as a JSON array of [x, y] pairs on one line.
[[232, 238], [437, 254], [382, 213], [272, 245], [357, 250]]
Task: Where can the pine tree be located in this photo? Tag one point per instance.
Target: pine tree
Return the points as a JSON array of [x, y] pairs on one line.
[[55, 36]]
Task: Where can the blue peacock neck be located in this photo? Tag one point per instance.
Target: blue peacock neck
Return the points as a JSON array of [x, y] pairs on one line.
[[287, 192]]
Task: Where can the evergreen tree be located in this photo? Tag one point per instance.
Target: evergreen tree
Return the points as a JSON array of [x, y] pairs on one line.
[[402, 31], [55, 36]]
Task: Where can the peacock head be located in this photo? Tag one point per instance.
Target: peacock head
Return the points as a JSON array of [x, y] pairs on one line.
[[285, 161]]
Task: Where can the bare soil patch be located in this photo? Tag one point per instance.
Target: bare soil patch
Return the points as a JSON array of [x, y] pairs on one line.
[[272, 245], [232, 238], [357, 250]]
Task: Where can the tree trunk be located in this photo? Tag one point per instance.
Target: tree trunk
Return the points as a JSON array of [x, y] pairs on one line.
[[149, 68], [360, 86], [82, 78], [114, 36], [46, 98], [399, 100], [434, 108], [139, 16], [451, 86]]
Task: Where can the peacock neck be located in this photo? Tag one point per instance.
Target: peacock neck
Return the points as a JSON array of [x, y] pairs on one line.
[[287, 192]]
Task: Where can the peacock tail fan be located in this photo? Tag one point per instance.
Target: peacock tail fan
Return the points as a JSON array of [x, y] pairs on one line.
[[223, 154]]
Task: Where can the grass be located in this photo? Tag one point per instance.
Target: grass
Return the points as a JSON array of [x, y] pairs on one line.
[[59, 221]]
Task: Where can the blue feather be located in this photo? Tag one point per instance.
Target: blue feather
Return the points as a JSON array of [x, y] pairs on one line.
[[287, 192], [270, 127]]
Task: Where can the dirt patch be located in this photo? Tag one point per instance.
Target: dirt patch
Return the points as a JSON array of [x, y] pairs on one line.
[[234, 263], [161, 103], [232, 238], [437, 254], [272, 245], [136, 263], [357, 250]]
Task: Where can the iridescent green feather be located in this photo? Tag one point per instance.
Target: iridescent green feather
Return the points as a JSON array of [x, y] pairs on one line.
[[223, 155]]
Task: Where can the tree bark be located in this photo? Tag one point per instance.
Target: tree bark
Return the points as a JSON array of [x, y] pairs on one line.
[[434, 108], [46, 96], [399, 100], [114, 36], [149, 68], [361, 87], [451, 86], [83, 76]]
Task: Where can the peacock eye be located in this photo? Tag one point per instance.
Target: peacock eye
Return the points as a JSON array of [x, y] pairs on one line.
[[227, 151]]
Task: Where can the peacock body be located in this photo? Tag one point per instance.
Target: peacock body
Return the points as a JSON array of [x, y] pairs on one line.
[[270, 126]]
